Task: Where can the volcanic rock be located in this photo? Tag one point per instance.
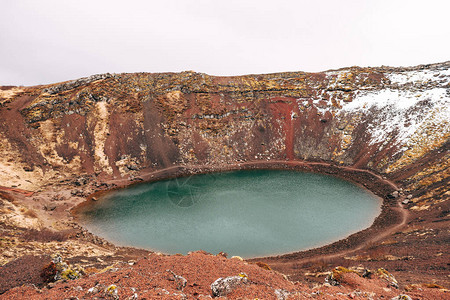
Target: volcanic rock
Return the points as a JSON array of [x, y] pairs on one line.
[[385, 128], [224, 286]]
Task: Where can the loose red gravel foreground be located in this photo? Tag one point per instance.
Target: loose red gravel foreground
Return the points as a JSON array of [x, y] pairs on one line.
[[153, 277]]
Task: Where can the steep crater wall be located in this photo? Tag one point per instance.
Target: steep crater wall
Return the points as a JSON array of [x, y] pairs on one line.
[[392, 121]]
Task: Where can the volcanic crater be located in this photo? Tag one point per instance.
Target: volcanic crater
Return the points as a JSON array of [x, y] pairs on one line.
[[384, 128]]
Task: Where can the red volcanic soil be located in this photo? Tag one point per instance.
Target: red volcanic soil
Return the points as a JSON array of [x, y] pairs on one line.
[[152, 277], [62, 143]]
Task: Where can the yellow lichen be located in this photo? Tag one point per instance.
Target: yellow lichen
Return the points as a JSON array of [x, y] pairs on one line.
[[339, 271]]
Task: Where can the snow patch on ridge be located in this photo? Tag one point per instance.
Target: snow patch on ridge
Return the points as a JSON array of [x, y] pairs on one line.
[[420, 76], [399, 114], [399, 100]]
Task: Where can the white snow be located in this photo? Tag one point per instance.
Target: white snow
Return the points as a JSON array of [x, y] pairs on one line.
[[419, 76], [292, 115], [397, 99], [398, 112], [401, 112]]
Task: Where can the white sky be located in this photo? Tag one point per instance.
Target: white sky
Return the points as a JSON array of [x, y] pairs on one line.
[[50, 41]]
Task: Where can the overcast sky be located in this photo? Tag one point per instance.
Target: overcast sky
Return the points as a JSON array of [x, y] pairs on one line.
[[49, 41]]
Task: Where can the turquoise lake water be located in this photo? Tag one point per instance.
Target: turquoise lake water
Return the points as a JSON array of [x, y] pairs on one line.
[[246, 213]]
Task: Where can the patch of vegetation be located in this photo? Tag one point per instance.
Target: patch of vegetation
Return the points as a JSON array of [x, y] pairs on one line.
[[263, 265], [338, 272]]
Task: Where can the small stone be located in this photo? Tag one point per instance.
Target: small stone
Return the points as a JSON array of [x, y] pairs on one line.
[[80, 181], [78, 193], [281, 294], [50, 207], [367, 273], [51, 285], [223, 286], [392, 195], [402, 297], [28, 169], [223, 254], [111, 290], [132, 167], [133, 297], [331, 280], [93, 290], [382, 273], [179, 280]]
